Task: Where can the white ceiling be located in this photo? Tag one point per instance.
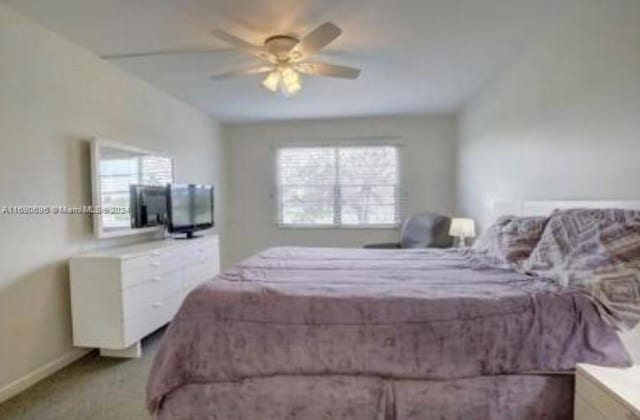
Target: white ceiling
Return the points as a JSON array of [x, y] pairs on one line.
[[416, 55]]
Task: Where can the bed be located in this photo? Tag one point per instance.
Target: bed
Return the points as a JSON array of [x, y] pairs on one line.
[[323, 333]]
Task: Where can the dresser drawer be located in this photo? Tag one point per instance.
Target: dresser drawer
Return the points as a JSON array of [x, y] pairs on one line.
[[142, 269], [152, 318], [202, 247], [201, 255], [599, 401], [152, 257], [153, 289]]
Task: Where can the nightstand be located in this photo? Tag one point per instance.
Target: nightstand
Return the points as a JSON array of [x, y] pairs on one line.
[[607, 393]]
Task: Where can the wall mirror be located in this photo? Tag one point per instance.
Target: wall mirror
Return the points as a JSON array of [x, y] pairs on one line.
[[114, 168]]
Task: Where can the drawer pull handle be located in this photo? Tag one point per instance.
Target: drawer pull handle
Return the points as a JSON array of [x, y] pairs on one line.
[[156, 263], [155, 253], [157, 304], [156, 279]]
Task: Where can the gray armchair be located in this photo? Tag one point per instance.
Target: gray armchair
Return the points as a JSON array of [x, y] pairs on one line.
[[426, 230]]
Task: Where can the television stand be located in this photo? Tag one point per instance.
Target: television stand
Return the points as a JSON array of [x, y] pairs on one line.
[[189, 235]]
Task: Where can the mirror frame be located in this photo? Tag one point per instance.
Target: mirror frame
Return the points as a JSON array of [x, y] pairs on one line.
[[96, 193]]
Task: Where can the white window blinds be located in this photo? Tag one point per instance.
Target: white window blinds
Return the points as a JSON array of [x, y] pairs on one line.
[[339, 186]]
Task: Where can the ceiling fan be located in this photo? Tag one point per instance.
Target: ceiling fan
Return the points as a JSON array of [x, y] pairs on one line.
[[284, 58]]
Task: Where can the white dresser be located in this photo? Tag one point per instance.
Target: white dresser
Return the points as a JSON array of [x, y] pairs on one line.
[[607, 393], [120, 295]]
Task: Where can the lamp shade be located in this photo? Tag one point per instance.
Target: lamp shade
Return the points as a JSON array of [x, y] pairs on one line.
[[272, 81], [461, 227]]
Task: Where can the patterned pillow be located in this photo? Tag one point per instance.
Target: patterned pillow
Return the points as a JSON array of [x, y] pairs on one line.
[[617, 292], [518, 238], [597, 252], [511, 239]]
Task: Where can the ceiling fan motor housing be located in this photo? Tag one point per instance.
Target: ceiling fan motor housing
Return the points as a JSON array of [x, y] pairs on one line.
[[281, 46]]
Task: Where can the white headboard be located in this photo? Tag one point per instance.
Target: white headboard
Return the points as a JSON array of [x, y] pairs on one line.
[[544, 208], [631, 339]]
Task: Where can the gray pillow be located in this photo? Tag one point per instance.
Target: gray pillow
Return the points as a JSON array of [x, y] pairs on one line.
[[427, 230]]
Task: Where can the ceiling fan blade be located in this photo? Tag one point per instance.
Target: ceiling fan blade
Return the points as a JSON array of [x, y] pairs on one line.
[[316, 40], [329, 70], [182, 51], [242, 72], [243, 45]]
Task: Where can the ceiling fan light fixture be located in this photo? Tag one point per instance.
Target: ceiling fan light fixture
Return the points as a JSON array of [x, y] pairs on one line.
[[272, 81], [285, 80], [290, 76], [290, 89], [290, 83]]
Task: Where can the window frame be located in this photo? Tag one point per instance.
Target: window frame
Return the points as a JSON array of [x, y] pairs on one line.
[[402, 194]]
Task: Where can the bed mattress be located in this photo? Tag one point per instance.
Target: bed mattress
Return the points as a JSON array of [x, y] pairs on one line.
[[422, 315]]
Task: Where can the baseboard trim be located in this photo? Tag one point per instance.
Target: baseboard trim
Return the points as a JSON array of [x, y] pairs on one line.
[[30, 379]]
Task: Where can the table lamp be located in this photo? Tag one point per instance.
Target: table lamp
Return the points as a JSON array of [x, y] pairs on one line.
[[462, 228]]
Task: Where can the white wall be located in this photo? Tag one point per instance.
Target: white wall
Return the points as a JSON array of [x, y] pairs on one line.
[[564, 121], [54, 96], [428, 158]]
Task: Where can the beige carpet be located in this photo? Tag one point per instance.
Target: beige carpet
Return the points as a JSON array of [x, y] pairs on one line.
[[93, 388]]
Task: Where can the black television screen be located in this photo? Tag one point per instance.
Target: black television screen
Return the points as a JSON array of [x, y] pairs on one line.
[[190, 208], [148, 205]]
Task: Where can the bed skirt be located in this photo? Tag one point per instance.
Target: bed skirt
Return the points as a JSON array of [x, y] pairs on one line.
[[503, 397]]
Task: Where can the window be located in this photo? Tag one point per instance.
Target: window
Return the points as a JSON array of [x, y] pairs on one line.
[[338, 186]]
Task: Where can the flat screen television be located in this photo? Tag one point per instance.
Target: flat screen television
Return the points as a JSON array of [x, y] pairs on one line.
[[190, 208], [148, 204]]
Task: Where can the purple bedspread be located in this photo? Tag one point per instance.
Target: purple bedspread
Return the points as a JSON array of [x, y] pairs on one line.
[[401, 314], [326, 397]]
